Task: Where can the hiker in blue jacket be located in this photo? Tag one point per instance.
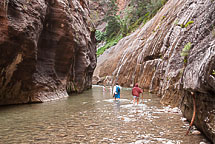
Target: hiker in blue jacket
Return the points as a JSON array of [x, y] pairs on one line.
[[116, 91]]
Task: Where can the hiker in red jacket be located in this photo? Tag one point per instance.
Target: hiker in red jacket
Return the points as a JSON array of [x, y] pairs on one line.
[[136, 93]]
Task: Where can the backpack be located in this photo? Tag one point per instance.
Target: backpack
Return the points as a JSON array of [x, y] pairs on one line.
[[118, 89]]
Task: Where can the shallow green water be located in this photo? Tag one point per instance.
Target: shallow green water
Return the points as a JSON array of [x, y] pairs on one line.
[[94, 117]]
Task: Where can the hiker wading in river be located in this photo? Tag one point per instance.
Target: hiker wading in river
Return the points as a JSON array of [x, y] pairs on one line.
[[136, 93], [116, 91]]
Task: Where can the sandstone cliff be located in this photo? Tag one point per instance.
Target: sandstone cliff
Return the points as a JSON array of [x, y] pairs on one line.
[[45, 47], [152, 57], [98, 10]]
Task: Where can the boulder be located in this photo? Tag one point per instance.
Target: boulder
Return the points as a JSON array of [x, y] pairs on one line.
[[47, 49]]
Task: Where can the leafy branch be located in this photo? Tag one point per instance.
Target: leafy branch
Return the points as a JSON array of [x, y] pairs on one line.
[[185, 51], [213, 72]]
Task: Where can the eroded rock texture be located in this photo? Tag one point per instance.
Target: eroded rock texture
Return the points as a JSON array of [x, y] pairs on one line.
[[98, 11], [46, 46], [152, 57]]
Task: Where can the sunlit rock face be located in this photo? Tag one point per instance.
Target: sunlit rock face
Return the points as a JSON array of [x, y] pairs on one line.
[[45, 47], [152, 57]]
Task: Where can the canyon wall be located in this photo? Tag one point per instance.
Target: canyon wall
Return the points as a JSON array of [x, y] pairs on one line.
[[98, 10], [171, 55], [47, 48]]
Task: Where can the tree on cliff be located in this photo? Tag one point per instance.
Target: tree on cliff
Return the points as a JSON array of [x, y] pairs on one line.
[[136, 13], [113, 24]]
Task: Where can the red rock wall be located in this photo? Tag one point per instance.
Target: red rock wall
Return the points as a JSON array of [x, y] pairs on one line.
[[46, 47], [152, 57]]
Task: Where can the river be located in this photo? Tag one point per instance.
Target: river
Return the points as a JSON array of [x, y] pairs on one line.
[[94, 117]]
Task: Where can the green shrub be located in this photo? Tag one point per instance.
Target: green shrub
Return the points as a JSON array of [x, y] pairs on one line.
[[138, 12], [111, 11], [100, 36], [153, 6], [188, 23], [109, 44], [186, 49], [112, 28], [142, 20], [135, 25], [142, 11], [163, 17], [213, 72]]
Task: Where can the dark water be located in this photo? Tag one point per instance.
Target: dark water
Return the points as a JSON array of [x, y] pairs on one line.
[[93, 117]]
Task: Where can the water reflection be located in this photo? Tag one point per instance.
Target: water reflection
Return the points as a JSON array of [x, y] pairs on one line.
[[117, 105], [95, 117]]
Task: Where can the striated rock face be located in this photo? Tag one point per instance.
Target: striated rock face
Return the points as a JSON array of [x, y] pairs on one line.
[[98, 10], [45, 47], [152, 57]]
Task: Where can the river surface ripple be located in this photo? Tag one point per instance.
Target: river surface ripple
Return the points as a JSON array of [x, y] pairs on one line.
[[94, 117]]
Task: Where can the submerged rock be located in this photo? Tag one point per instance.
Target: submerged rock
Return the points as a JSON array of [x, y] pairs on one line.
[[46, 47], [196, 132]]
